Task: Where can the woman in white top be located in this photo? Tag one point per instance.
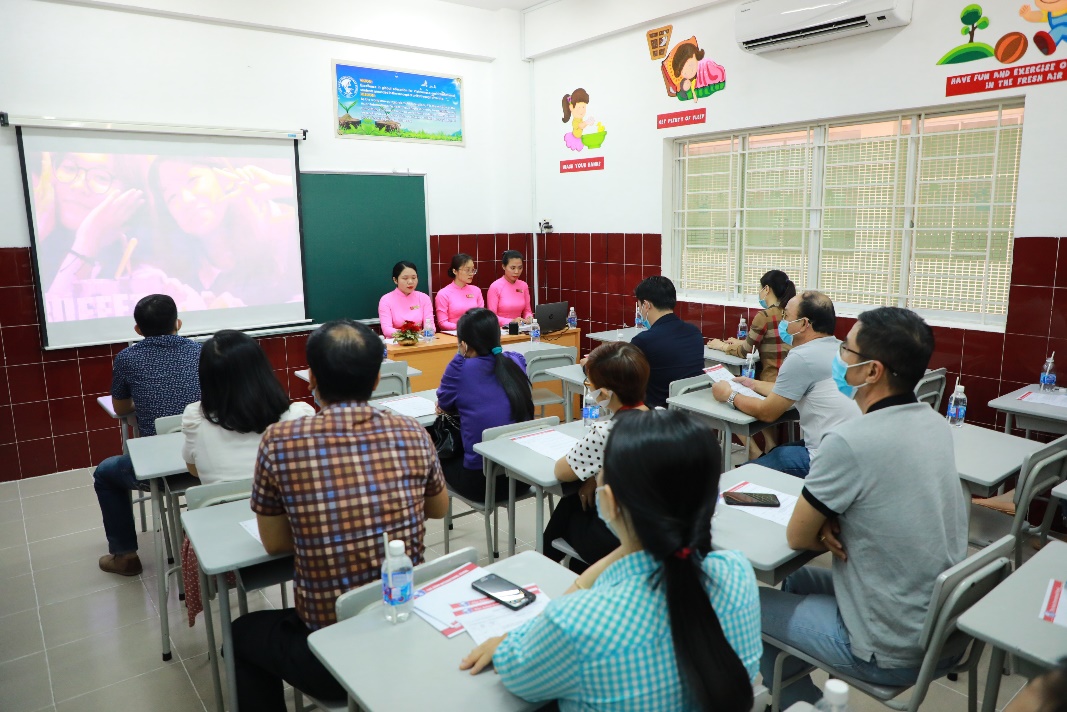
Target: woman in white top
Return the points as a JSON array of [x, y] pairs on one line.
[[239, 398], [617, 374]]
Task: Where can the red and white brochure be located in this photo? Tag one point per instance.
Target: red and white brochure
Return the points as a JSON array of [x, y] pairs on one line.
[[1053, 608]]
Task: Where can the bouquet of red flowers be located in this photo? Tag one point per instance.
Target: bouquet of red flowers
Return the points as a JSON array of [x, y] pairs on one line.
[[408, 333]]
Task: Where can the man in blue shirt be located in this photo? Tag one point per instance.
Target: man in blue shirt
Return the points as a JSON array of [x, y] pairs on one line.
[[157, 377], [674, 349]]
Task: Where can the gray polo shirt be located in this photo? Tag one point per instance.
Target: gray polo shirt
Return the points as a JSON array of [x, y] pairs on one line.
[[890, 476], [805, 379]]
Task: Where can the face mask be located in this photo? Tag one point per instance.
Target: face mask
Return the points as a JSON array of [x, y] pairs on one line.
[[783, 332], [603, 397], [641, 321], [315, 395], [763, 302], [600, 513], [839, 370]]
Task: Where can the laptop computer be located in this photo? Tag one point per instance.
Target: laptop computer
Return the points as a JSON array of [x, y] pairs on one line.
[[552, 317]]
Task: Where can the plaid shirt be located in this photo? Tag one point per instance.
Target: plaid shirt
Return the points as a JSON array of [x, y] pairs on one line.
[[610, 648], [342, 478], [763, 335]]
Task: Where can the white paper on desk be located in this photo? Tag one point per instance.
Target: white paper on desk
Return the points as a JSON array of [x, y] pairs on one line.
[[433, 602], [1051, 608], [778, 515], [483, 618], [252, 527], [450, 332], [1056, 399], [719, 373], [411, 406], [550, 443]]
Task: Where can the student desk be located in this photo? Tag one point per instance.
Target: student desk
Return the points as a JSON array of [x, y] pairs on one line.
[[1008, 620], [1030, 416], [524, 465], [986, 458], [222, 545], [375, 660], [623, 333], [762, 542], [733, 363], [722, 417], [425, 420], [573, 380], [155, 457], [305, 374]]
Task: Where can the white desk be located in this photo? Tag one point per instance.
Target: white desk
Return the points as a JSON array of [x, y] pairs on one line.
[[573, 380], [127, 423], [621, 334], [1030, 416], [732, 363], [524, 465], [1060, 491], [155, 457], [304, 375], [986, 458], [1008, 620], [425, 420], [365, 653], [528, 347], [221, 546], [722, 417], [762, 542]]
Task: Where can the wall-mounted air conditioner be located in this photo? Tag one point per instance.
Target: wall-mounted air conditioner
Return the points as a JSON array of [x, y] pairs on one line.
[[768, 25]]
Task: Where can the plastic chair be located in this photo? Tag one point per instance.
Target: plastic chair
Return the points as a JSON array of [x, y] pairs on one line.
[[491, 471], [688, 385], [1041, 471], [538, 362], [931, 387], [128, 429], [393, 380], [955, 590]]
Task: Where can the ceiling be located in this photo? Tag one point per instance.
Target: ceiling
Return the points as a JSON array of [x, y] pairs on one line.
[[497, 4]]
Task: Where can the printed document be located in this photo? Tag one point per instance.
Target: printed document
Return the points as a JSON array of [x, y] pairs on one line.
[[411, 406], [718, 373], [550, 443], [778, 515]]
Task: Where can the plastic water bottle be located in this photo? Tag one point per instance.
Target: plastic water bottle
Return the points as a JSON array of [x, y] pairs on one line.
[[535, 332], [742, 329], [427, 331], [572, 319], [834, 697], [957, 406], [398, 583], [1048, 373], [590, 410], [749, 369], [637, 317]]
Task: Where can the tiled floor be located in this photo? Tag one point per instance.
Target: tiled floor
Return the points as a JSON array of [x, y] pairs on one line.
[[75, 639]]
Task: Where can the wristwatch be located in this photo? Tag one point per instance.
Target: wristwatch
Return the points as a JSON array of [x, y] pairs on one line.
[[730, 400]]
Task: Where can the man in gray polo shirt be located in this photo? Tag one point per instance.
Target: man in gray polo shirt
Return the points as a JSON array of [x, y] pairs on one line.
[[803, 381], [884, 496]]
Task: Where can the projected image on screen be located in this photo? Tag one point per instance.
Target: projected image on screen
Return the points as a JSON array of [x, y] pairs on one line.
[[212, 227]]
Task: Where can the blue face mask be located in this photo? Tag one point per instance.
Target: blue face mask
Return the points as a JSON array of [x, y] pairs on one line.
[[600, 513], [783, 333], [763, 302], [315, 395], [838, 371], [641, 321]]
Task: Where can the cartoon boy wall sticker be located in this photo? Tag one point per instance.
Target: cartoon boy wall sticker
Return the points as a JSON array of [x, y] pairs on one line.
[[1055, 13], [575, 106], [689, 75]]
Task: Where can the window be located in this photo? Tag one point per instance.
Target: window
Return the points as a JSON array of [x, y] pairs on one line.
[[913, 210]]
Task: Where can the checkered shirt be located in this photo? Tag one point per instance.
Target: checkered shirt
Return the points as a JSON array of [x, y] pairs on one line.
[[763, 336], [342, 477], [610, 648]]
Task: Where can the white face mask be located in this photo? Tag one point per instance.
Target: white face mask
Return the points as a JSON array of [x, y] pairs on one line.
[[603, 397]]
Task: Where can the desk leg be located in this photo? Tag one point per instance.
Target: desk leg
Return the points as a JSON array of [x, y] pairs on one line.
[[227, 639], [212, 650], [511, 516], [992, 680], [727, 445], [568, 402], [540, 519], [1009, 420], [159, 532]]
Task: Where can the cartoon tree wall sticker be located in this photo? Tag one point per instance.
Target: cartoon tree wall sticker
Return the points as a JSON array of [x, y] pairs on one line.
[[973, 20]]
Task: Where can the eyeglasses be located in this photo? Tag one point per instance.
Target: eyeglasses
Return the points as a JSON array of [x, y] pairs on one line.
[[844, 347], [468, 270], [96, 179]]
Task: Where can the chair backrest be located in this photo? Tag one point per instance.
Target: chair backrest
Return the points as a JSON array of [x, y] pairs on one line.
[[931, 387], [687, 385], [393, 381], [1041, 470], [217, 493], [168, 424], [538, 362], [353, 602]]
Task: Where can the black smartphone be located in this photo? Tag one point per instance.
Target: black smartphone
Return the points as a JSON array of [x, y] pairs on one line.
[[503, 591], [751, 499]]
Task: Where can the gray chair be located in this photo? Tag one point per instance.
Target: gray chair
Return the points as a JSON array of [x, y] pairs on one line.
[[1041, 471], [174, 487], [688, 385], [931, 388], [393, 381], [489, 506], [128, 429], [955, 590], [538, 363]]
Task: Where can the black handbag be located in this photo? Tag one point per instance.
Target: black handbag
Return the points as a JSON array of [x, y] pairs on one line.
[[447, 437]]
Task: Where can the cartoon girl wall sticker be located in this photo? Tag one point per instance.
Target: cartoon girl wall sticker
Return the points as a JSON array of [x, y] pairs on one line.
[[575, 106], [688, 75]]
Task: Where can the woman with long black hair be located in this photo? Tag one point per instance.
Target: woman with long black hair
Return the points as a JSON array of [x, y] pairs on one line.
[[662, 623], [487, 387]]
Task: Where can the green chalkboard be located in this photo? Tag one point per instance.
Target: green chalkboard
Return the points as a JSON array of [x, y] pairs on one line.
[[356, 227]]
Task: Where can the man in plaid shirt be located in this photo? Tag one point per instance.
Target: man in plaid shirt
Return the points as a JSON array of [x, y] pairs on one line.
[[326, 487]]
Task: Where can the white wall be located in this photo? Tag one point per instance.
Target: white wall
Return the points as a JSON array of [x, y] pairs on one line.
[[82, 62], [878, 72]]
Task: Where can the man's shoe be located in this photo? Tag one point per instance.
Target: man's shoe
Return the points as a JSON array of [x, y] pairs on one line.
[[121, 564], [1044, 42]]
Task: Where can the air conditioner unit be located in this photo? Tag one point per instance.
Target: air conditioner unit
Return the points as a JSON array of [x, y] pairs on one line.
[[768, 25]]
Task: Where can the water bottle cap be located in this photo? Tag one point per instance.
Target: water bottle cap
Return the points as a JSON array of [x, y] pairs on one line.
[[959, 388], [835, 692], [396, 547]]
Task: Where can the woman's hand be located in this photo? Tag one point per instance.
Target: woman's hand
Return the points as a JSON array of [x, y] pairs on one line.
[[480, 658], [255, 182], [104, 224], [587, 494], [717, 344]]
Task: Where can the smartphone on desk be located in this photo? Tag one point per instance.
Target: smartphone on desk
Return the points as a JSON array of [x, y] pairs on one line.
[[751, 499], [503, 591]]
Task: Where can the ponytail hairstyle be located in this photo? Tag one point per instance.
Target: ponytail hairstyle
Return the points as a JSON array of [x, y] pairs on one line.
[[458, 261], [480, 330], [780, 284], [578, 96], [661, 466]]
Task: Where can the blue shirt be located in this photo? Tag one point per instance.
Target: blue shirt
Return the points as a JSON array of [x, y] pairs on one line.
[[161, 374], [610, 648], [469, 387], [675, 350]]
